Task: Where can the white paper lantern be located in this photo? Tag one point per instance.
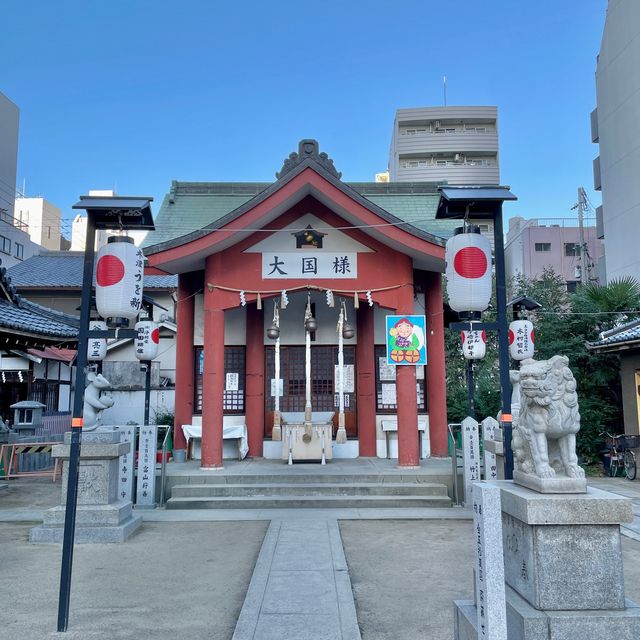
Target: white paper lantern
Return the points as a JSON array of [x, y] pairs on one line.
[[521, 339], [97, 347], [474, 344], [468, 271], [119, 279], [147, 340]]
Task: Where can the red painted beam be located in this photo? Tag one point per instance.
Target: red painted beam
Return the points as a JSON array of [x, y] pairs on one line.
[[254, 396], [188, 283], [366, 382], [406, 397], [436, 371]]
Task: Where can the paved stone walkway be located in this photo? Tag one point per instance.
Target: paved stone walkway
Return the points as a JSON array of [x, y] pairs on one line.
[[300, 586]]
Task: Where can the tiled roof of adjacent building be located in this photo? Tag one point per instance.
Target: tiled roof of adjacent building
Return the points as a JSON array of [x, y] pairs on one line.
[[619, 338], [18, 314], [63, 270], [31, 318], [191, 206]]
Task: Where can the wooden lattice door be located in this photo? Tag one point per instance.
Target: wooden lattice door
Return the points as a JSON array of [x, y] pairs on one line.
[[323, 394]]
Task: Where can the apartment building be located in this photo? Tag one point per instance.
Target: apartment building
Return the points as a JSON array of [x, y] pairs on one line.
[[533, 245], [457, 145], [615, 126]]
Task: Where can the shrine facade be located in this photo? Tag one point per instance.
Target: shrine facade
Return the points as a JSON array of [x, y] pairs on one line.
[[250, 256]]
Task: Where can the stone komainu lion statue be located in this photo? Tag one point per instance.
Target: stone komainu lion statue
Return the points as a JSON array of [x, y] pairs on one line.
[[544, 434]]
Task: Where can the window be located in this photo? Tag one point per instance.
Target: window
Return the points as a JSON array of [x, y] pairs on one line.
[[5, 245], [386, 384], [543, 246], [484, 228], [19, 251], [572, 286], [476, 129], [234, 363], [412, 132], [571, 249]]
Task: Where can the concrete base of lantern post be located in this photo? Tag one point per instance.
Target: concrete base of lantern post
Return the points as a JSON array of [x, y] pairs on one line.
[[100, 517]]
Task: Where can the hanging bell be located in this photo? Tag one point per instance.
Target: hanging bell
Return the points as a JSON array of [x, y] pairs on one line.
[[273, 332], [311, 324], [348, 331]]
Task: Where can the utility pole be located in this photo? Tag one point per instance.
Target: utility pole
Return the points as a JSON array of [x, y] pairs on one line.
[[581, 206]]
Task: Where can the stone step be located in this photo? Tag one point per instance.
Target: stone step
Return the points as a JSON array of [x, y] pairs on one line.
[[309, 489], [303, 476], [308, 502]]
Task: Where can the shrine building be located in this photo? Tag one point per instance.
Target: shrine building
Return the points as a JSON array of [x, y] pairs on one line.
[[251, 256]]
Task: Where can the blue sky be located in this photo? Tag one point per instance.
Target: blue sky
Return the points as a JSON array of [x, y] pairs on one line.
[[132, 94]]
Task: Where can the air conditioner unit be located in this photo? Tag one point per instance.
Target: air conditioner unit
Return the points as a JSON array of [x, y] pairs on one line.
[[458, 157]]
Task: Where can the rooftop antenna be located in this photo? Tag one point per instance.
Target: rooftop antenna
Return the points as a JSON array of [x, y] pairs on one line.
[[444, 89]]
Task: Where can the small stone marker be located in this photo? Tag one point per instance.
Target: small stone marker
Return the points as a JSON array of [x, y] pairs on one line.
[[489, 426], [490, 591], [146, 487], [126, 464], [470, 457]]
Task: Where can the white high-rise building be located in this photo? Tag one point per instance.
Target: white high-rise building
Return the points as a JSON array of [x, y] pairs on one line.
[[458, 145], [615, 125], [42, 220]]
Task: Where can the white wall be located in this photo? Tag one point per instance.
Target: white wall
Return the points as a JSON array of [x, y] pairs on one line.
[[43, 219], [129, 406], [9, 123], [618, 126]]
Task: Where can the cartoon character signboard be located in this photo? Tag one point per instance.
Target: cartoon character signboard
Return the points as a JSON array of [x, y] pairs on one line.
[[406, 342]]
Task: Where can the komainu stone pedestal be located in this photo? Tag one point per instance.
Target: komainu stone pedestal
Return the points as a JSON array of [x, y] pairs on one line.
[[563, 567], [100, 515]]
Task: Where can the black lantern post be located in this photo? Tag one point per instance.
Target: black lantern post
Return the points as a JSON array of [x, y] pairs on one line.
[[117, 213], [485, 203]]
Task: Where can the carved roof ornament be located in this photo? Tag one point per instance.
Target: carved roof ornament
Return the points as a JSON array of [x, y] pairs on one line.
[[308, 150]]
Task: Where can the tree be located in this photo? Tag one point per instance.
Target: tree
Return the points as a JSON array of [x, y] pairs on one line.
[[562, 326]]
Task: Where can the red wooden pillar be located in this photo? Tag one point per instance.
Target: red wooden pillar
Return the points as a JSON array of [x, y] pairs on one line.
[[213, 379], [436, 373], [254, 397], [406, 396], [366, 382], [185, 367]]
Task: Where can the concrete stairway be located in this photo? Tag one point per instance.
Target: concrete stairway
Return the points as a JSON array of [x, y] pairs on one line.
[[325, 490]]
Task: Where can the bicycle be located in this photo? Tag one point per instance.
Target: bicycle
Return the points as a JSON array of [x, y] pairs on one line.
[[622, 458]]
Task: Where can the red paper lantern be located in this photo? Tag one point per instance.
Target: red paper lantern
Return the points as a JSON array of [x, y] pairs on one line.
[[97, 347], [468, 271], [147, 340], [521, 339], [474, 344], [119, 279]]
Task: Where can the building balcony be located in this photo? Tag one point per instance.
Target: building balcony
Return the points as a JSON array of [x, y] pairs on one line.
[[595, 136], [597, 177], [450, 172], [446, 142], [599, 223]]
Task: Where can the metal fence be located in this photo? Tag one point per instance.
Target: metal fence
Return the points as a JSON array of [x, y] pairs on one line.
[[54, 423]]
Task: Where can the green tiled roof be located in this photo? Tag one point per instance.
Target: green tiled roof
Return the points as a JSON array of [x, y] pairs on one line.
[[190, 206], [417, 209]]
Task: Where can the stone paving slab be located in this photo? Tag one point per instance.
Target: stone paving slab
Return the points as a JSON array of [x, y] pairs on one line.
[[300, 586]]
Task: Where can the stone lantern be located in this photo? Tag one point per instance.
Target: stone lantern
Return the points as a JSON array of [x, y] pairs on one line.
[[27, 416]]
